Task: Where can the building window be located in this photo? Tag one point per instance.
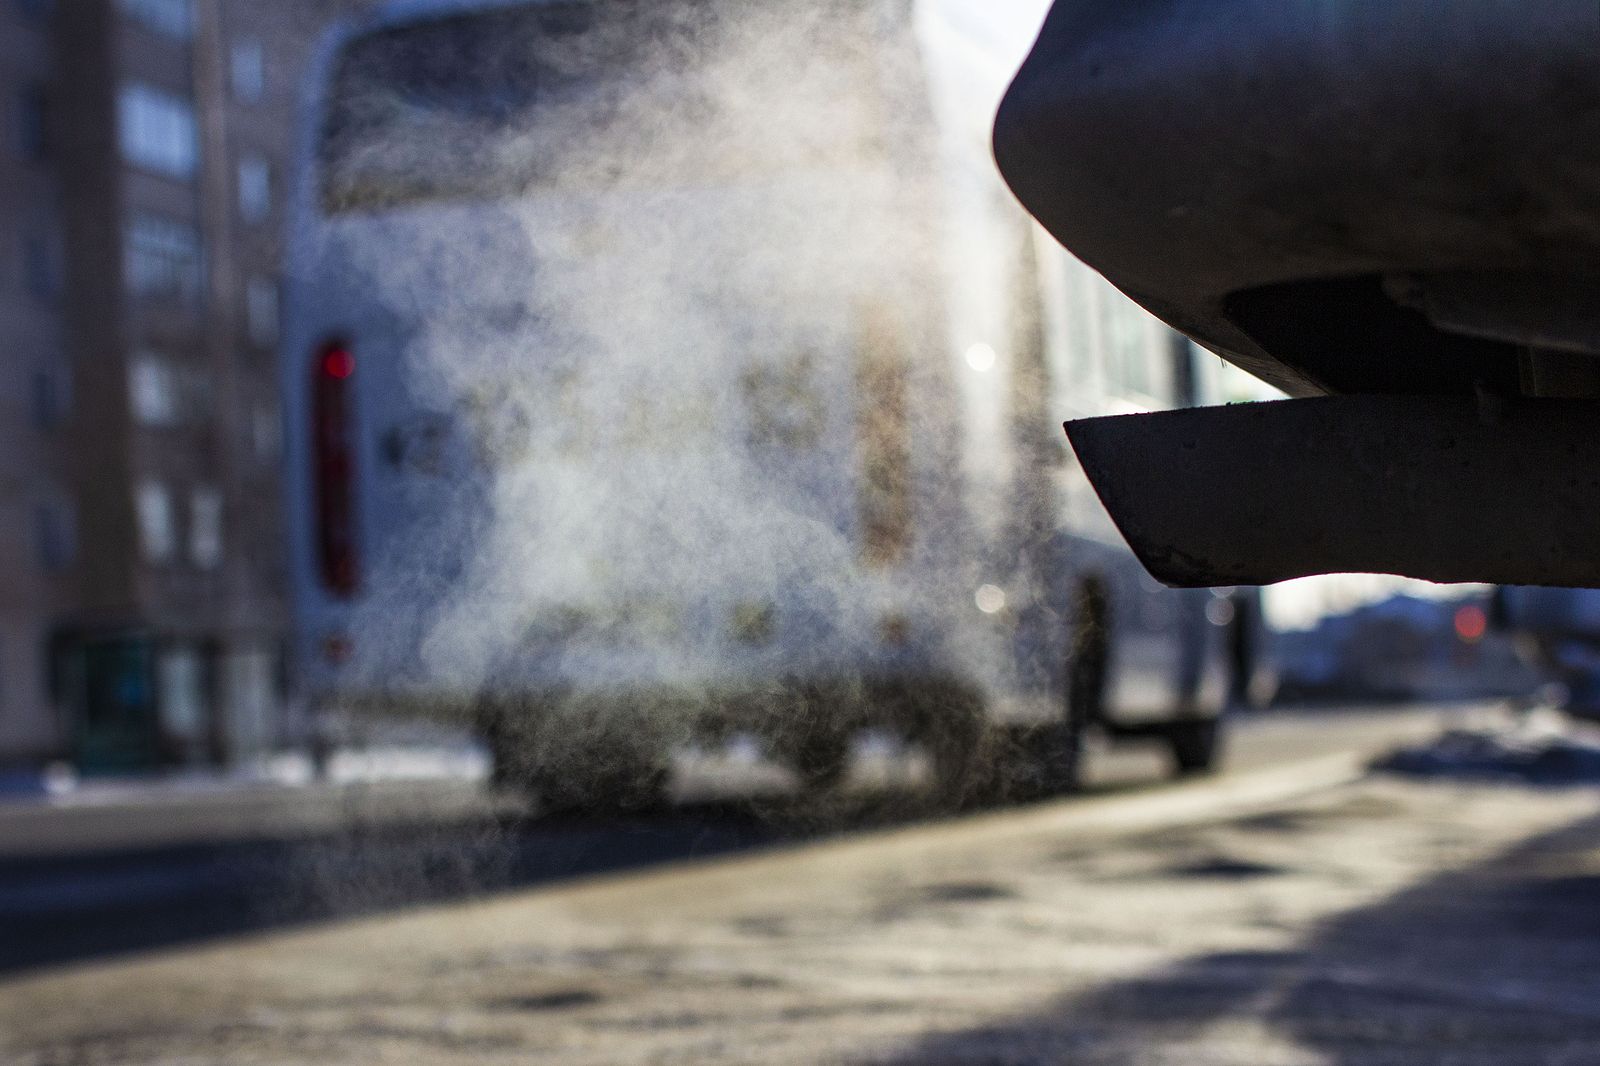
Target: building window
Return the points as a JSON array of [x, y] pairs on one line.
[[170, 18], [163, 394], [56, 534], [182, 690], [163, 258], [255, 188], [205, 528], [252, 700], [52, 396], [33, 123], [152, 505], [42, 263], [261, 311], [157, 131], [152, 391], [247, 69]]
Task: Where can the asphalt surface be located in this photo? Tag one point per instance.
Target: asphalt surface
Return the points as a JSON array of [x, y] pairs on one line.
[[204, 866], [1296, 911]]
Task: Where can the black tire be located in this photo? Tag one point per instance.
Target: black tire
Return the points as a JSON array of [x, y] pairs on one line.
[[498, 727], [817, 737], [820, 758], [1243, 654], [607, 777], [955, 737], [1060, 746], [1195, 745], [1052, 760], [1089, 659]]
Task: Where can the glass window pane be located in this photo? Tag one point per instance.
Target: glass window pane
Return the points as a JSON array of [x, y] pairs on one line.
[[407, 121], [153, 512], [157, 130], [248, 71], [255, 188], [152, 391], [162, 257], [182, 686], [171, 18]]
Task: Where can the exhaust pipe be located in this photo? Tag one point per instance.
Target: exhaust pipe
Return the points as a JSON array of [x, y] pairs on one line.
[[1441, 488]]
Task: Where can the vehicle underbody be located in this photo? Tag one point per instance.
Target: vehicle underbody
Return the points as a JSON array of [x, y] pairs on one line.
[[1392, 207]]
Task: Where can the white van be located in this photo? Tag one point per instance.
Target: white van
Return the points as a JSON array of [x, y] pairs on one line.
[[656, 370]]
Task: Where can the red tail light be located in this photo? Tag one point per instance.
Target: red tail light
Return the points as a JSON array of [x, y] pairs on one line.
[[333, 370]]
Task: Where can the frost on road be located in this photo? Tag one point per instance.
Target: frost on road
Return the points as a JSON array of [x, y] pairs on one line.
[[1385, 921]]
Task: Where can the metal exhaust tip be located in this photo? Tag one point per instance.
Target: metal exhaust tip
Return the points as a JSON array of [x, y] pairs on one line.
[[1438, 488]]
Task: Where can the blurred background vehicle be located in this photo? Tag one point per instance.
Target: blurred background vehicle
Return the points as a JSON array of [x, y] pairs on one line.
[[1402, 647], [656, 375], [1557, 633]]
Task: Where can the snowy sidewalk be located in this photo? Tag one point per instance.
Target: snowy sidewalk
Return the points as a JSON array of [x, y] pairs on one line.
[[280, 797]]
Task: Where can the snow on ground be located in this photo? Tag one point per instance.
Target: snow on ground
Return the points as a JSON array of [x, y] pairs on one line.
[[1542, 748], [1386, 921]]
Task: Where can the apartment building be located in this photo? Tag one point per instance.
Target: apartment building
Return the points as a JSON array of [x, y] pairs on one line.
[[147, 150]]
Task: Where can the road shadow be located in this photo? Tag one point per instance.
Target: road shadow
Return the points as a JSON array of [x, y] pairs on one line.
[[62, 909], [1492, 964]]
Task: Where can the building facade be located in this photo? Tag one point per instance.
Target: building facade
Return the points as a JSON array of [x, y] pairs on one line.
[[142, 187]]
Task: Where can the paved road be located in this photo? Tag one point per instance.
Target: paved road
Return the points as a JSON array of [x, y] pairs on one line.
[[232, 863], [1295, 913]]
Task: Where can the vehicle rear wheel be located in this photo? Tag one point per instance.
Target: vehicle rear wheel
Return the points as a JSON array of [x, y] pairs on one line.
[[1195, 745], [621, 771], [820, 758], [504, 733], [1060, 746], [816, 737], [1051, 760], [954, 735]]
